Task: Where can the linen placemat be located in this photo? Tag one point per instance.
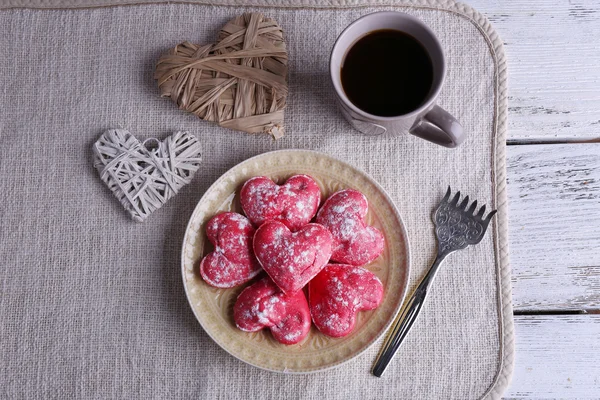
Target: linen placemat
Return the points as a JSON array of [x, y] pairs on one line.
[[92, 304]]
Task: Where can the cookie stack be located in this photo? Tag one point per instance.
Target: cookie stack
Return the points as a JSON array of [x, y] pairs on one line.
[[303, 250]]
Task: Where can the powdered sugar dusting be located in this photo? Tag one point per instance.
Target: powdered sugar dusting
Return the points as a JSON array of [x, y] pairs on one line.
[[294, 203], [262, 315], [232, 262], [290, 337], [354, 242], [292, 258], [339, 208], [263, 305], [338, 292]]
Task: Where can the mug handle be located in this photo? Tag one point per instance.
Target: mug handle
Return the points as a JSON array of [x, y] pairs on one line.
[[440, 127]]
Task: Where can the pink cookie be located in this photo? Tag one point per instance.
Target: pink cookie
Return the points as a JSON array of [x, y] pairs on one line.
[[338, 293], [354, 242], [263, 305], [294, 203], [292, 259], [233, 262]]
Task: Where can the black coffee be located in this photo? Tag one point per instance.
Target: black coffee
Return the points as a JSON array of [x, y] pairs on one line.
[[387, 73]]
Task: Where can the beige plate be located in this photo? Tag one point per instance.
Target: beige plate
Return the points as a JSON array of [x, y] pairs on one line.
[[214, 307]]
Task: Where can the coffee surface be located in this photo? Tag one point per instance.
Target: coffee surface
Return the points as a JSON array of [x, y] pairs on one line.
[[387, 73]]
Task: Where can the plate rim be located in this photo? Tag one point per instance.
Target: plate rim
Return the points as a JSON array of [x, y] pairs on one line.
[[404, 233]]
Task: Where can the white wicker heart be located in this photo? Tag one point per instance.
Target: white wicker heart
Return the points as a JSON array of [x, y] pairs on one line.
[[143, 176]]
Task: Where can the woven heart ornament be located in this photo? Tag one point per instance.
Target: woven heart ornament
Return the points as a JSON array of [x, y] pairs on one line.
[[240, 82], [143, 176]]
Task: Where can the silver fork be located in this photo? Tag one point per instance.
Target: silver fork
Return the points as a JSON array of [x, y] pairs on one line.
[[456, 228]]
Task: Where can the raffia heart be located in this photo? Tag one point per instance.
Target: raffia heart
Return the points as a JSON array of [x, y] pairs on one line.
[[240, 82], [143, 176]]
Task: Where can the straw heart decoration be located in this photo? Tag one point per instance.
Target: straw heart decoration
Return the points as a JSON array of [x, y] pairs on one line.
[[240, 82], [143, 176]]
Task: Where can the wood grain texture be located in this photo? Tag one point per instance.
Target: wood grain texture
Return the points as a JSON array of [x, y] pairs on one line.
[[556, 357], [553, 52], [554, 226]]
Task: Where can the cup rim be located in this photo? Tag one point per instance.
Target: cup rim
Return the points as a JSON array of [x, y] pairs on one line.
[[340, 90]]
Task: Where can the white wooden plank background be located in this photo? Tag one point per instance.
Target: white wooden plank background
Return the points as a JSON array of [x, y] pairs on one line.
[[554, 226], [557, 357], [553, 50]]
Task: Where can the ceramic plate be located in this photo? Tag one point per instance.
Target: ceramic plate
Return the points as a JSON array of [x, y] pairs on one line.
[[214, 307]]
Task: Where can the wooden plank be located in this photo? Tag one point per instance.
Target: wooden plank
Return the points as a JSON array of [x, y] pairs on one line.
[[553, 51], [556, 357], [554, 226]]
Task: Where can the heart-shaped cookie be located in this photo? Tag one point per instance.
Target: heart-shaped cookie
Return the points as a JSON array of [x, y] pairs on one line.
[[292, 259], [294, 203], [240, 82], [143, 176], [232, 262], [264, 305], [338, 293], [354, 242]]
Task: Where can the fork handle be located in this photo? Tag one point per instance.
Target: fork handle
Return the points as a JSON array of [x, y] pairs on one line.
[[405, 322]]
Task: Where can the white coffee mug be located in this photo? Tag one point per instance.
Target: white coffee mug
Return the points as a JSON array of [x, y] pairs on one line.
[[428, 121]]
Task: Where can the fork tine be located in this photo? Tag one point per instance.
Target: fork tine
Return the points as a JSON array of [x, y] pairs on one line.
[[455, 199], [447, 196], [464, 204], [490, 215], [471, 209], [481, 212]]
